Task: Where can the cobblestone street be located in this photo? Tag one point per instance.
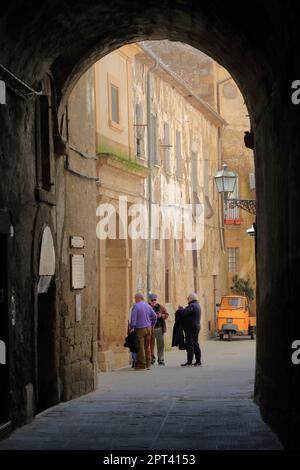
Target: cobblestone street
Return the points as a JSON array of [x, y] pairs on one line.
[[166, 408]]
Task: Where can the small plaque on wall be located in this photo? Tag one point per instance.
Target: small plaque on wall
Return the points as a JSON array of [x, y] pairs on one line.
[[77, 272], [76, 242]]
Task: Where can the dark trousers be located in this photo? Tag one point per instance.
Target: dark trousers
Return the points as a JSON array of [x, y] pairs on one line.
[[192, 343]]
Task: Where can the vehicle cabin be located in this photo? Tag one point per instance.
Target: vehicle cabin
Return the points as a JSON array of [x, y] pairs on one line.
[[234, 317]]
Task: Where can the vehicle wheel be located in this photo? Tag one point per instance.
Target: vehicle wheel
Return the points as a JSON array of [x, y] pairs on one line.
[[229, 336], [221, 337]]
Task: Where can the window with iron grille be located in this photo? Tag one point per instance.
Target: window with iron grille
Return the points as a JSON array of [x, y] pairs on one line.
[[233, 259], [233, 213]]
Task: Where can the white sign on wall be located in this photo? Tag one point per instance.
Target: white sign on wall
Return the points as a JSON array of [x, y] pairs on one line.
[[2, 92], [76, 242], [2, 353], [77, 272]]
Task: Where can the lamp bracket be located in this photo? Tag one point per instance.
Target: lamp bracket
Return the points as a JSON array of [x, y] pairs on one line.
[[248, 205]]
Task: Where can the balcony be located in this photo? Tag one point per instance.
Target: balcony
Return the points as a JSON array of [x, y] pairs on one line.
[[231, 215]]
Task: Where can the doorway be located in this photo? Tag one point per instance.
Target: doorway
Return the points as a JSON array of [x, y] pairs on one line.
[[4, 340], [46, 359]]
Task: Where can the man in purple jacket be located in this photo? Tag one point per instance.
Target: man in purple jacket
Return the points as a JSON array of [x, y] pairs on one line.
[[143, 319]]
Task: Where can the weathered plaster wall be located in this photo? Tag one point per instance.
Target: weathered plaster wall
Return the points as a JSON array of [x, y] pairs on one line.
[[260, 48], [120, 266], [199, 142]]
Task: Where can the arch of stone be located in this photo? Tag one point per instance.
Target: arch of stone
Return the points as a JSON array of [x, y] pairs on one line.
[[258, 44]]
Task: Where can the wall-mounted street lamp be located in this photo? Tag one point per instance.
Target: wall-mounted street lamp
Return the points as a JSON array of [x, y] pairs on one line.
[[225, 182]]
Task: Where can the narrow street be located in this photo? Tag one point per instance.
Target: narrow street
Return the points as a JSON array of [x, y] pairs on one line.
[[205, 408]]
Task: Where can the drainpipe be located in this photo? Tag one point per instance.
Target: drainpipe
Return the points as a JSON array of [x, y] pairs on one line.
[[150, 166], [221, 209]]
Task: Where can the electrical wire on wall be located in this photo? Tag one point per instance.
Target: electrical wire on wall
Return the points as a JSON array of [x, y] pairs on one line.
[[30, 91]]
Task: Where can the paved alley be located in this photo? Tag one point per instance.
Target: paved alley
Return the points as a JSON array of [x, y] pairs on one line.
[[166, 408]]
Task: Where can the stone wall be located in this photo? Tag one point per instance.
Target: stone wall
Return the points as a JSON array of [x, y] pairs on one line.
[[199, 150], [259, 45], [79, 336]]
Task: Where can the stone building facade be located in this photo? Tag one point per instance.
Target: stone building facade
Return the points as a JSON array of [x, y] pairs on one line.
[[184, 160], [213, 84], [240, 247], [121, 178], [157, 147]]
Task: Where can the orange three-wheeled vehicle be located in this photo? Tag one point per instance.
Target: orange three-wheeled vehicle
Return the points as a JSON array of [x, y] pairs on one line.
[[234, 317]]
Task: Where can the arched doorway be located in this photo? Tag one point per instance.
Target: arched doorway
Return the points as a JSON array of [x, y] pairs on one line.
[[115, 297], [263, 60], [47, 386]]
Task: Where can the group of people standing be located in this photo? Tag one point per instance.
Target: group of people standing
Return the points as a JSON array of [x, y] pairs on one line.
[[147, 327]]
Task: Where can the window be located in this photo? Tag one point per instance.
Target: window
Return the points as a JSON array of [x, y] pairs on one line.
[[195, 182], [44, 139], [232, 303], [195, 179], [232, 214], [139, 131], [114, 104], [195, 258], [153, 140], [166, 148], [44, 134], [178, 155], [167, 285], [206, 178], [114, 113], [252, 181], [167, 249], [233, 259]]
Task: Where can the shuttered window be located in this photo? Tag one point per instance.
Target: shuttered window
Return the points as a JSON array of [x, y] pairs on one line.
[[139, 131], [166, 148], [179, 168], [153, 140]]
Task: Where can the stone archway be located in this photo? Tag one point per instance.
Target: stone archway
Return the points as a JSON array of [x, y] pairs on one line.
[[259, 46]]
